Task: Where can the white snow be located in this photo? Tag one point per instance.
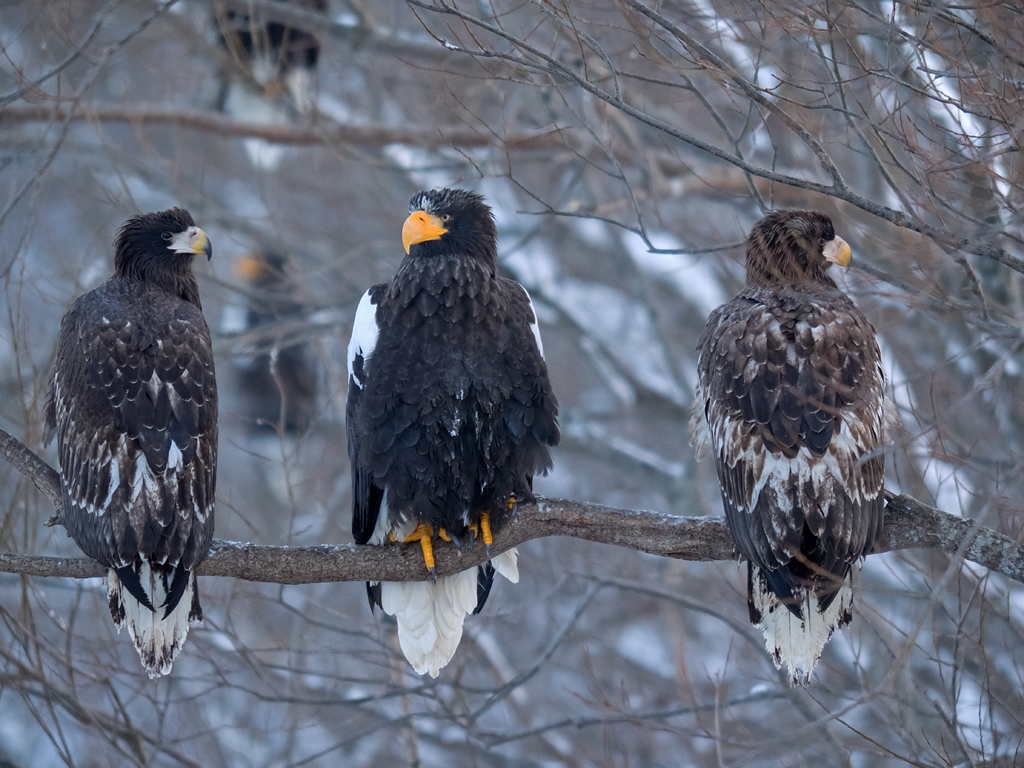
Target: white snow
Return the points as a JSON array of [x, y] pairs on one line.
[[644, 645], [693, 277], [414, 162]]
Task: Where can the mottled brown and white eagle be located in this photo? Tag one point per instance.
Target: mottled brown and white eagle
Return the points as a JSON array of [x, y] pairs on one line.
[[790, 401], [133, 402], [450, 413]]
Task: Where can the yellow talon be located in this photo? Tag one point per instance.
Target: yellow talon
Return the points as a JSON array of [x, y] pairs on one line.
[[443, 534], [474, 529], [424, 534], [485, 528], [511, 502]]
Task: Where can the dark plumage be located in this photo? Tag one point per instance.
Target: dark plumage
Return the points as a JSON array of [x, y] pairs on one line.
[[133, 402], [790, 400], [284, 47], [450, 411]]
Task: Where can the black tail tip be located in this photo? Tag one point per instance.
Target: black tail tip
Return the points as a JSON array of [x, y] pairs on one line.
[[128, 575], [484, 582], [373, 595]]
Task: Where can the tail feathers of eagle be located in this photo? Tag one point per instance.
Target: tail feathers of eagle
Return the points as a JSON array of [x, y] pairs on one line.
[[156, 604], [797, 624], [430, 615]]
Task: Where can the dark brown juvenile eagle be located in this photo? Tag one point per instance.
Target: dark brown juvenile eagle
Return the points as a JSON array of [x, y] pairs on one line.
[[790, 401], [133, 402], [450, 413]]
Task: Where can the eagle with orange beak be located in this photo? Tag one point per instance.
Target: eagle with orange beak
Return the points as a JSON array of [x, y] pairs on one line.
[[450, 414]]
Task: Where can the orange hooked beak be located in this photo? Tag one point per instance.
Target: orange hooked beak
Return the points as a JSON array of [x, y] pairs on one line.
[[421, 227]]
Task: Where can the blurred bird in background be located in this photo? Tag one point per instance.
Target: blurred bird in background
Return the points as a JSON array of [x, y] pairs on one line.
[[269, 75]]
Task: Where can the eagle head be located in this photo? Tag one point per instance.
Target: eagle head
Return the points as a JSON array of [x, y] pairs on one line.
[[153, 244], [450, 222], [790, 247]]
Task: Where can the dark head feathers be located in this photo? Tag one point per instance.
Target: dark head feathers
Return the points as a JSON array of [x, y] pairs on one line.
[[159, 248], [471, 228], [785, 248]]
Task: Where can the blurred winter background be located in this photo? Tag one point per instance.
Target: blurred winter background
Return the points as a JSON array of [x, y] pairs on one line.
[[612, 140]]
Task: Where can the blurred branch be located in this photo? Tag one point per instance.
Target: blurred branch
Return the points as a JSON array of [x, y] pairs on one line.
[[908, 524], [325, 132]]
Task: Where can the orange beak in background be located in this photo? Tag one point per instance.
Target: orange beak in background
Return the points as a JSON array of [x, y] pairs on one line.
[[248, 267], [421, 227]]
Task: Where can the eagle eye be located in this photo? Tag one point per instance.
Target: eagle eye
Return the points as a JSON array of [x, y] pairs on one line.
[[166, 237], [446, 217]]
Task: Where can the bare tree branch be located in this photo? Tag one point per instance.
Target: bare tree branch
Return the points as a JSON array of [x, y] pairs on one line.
[[43, 476], [909, 524], [324, 132], [549, 64]]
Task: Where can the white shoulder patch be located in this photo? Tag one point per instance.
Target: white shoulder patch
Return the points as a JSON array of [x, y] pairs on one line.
[[534, 326], [364, 335]]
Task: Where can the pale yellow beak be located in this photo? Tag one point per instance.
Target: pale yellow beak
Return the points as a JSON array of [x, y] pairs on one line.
[[837, 251], [192, 240], [420, 227]]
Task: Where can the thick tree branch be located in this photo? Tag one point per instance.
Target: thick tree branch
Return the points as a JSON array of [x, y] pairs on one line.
[[909, 524], [323, 132]]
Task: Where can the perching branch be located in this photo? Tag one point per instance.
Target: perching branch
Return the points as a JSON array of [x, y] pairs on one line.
[[909, 524], [324, 132]]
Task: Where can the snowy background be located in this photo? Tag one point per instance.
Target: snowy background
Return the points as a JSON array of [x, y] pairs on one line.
[[626, 236]]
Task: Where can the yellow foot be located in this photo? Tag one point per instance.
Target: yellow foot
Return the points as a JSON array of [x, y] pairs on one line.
[[485, 528], [511, 502], [424, 534]]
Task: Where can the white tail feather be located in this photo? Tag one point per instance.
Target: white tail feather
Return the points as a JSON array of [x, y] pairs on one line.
[[793, 641], [158, 640], [507, 564], [430, 615]]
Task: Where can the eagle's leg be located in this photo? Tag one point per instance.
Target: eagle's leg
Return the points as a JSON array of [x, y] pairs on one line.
[[485, 528], [424, 534], [485, 532]]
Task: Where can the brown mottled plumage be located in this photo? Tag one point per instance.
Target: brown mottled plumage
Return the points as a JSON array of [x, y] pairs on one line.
[[790, 401], [133, 402]]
